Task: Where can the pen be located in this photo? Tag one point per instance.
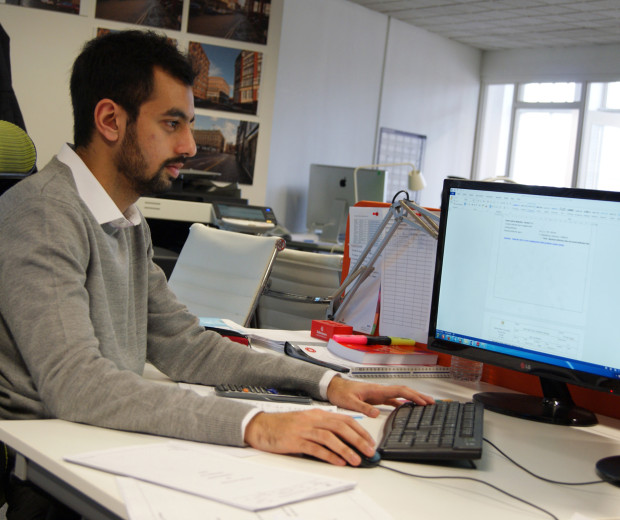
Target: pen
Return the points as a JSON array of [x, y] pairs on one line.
[[360, 339]]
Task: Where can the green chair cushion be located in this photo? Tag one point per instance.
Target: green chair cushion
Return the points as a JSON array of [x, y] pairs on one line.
[[17, 151]]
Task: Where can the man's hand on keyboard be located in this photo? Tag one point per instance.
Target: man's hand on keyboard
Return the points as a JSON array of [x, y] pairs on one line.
[[360, 397]]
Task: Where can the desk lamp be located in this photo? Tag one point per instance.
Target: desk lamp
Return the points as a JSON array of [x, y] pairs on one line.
[[416, 179], [400, 212]]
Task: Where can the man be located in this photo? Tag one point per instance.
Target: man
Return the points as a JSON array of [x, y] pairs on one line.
[[83, 306]]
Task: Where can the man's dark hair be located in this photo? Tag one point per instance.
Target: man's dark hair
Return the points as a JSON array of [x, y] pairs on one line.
[[120, 66]]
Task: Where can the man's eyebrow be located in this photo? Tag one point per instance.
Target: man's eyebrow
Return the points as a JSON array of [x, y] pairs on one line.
[[177, 112]]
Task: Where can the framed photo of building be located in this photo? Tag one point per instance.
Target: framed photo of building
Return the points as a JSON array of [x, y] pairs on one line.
[[225, 147], [165, 14], [228, 79], [243, 20]]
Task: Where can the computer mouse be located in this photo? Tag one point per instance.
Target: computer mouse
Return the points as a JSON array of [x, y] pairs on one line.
[[367, 462]]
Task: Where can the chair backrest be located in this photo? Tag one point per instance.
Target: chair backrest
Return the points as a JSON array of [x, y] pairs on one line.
[[221, 274], [17, 151], [299, 289]]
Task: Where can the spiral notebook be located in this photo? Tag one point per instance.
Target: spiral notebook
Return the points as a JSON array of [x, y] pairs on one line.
[[319, 352]]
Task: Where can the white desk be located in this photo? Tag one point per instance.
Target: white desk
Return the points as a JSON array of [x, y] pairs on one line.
[[557, 452]]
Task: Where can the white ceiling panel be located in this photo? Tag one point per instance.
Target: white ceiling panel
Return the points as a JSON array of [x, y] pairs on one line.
[[510, 24]]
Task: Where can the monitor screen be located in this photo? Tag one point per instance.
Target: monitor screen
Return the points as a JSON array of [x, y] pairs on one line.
[[527, 278], [331, 192]]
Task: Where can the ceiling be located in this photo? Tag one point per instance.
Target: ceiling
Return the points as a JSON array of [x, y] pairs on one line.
[[510, 24]]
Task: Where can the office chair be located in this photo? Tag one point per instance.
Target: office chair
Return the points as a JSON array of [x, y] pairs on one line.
[[299, 289], [221, 274]]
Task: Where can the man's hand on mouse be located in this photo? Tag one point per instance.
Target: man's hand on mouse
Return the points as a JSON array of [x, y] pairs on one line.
[[314, 432], [328, 436]]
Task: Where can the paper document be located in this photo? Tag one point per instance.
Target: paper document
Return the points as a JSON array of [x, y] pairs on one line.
[[146, 501], [273, 339], [362, 312], [187, 467], [402, 281], [407, 284]]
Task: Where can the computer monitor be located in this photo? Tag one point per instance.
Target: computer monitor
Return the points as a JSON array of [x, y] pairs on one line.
[[331, 193], [528, 278]]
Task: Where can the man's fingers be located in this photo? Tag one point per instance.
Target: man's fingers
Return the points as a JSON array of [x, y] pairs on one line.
[[323, 435]]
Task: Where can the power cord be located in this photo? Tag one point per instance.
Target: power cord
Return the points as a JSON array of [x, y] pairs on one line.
[[405, 192], [445, 477], [480, 481], [538, 476]]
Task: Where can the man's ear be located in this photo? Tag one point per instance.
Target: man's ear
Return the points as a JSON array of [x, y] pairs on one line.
[[110, 120]]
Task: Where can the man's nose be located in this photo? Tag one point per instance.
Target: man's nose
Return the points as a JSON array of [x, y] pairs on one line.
[[187, 144]]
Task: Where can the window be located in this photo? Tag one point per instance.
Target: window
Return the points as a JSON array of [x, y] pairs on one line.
[[555, 134], [601, 157]]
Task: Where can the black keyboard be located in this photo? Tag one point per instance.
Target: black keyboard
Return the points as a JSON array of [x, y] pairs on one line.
[[446, 430]]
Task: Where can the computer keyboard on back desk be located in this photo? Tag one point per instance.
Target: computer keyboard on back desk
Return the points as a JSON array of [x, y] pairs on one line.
[[446, 430]]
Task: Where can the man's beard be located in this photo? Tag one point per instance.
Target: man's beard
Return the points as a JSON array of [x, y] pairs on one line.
[[131, 162]]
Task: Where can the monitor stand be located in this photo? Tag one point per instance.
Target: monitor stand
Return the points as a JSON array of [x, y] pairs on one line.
[[336, 226], [555, 407]]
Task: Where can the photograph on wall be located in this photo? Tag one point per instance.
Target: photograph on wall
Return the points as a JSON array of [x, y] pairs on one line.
[[164, 14], [63, 6], [243, 20], [228, 79], [225, 148]]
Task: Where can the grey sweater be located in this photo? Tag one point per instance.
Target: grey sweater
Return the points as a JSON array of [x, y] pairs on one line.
[[83, 306]]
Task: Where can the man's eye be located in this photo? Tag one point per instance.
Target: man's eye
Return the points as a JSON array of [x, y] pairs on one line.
[[172, 124]]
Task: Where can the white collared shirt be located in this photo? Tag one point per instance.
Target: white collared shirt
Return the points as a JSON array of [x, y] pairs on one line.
[[94, 195]]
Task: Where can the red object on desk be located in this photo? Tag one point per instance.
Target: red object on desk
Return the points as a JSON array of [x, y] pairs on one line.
[[325, 329], [232, 335]]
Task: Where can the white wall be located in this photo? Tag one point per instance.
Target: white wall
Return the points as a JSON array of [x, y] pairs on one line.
[[327, 92], [329, 107], [584, 63], [431, 87]]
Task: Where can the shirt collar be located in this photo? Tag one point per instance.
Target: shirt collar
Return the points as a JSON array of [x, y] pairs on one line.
[[94, 195]]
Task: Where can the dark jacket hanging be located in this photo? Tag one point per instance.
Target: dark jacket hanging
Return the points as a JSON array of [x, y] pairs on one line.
[[9, 107]]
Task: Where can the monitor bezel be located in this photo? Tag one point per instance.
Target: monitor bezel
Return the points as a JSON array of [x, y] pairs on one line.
[[537, 368]]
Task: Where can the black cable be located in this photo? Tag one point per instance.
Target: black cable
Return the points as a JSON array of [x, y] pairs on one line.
[[398, 193], [538, 476], [473, 480]]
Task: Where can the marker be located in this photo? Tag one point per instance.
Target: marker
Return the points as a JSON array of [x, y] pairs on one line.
[[360, 339]]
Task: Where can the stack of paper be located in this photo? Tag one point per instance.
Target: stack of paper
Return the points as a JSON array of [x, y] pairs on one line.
[[178, 480], [190, 468], [149, 502]]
